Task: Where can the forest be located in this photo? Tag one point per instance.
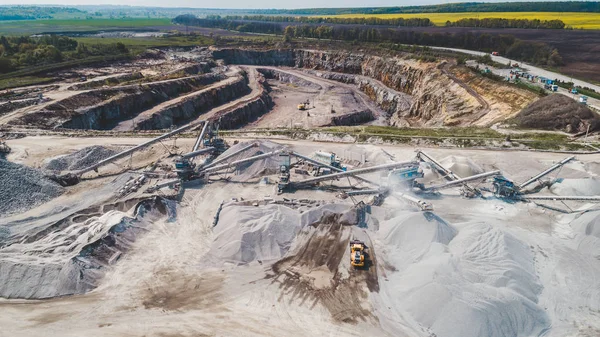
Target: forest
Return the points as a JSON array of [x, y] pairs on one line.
[[23, 51], [371, 21], [507, 23]]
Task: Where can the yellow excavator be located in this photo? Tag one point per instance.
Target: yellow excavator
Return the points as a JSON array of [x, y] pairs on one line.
[[357, 253], [304, 105]]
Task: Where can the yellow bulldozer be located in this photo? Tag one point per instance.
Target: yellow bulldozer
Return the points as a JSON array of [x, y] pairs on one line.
[[357, 253]]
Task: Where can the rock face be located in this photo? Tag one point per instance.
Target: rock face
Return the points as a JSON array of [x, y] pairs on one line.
[[104, 108], [193, 106], [413, 93], [275, 57]]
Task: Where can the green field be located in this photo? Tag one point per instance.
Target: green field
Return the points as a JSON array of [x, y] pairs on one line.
[[74, 25], [575, 20]]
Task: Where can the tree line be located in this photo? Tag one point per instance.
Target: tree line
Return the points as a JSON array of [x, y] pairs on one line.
[[543, 6], [23, 51], [374, 21], [508, 45], [507, 23], [371, 21]]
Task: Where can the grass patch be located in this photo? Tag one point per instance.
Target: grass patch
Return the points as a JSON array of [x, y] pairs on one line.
[[61, 65], [471, 132], [76, 25], [575, 20], [23, 81]]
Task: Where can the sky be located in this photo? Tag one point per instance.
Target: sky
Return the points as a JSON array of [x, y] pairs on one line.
[[243, 3]]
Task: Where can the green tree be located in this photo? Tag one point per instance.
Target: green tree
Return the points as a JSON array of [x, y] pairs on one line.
[[5, 65]]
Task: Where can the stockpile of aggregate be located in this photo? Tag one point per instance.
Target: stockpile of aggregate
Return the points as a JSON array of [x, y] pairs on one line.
[[81, 159], [256, 169], [558, 112], [23, 188]]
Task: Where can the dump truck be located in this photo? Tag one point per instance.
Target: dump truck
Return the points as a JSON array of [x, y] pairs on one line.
[[357, 253]]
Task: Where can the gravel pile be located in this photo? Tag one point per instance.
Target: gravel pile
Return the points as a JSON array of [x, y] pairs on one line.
[[250, 171], [23, 188], [558, 112], [80, 159]]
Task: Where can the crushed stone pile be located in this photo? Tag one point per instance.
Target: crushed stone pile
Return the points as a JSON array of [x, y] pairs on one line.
[[256, 169], [80, 159], [70, 259], [469, 281], [23, 188], [577, 187], [587, 225], [247, 233], [558, 112], [461, 166]]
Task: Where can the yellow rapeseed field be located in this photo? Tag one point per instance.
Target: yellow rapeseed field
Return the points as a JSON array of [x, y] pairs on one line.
[[575, 20]]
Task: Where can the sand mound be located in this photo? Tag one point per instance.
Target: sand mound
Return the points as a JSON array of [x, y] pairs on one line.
[[588, 224], [23, 188], [79, 160], [558, 112], [577, 187], [462, 166], [592, 168], [256, 169], [71, 258], [246, 233], [477, 282]]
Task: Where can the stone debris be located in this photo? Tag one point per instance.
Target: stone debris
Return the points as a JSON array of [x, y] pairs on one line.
[[22, 188], [81, 159]]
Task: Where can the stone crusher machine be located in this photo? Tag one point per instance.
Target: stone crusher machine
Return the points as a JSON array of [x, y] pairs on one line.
[[357, 253]]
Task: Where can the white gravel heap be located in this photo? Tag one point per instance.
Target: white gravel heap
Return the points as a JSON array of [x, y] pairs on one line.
[[247, 233], [79, 160], [256, 169], [23, 188], [587, 226], [468, 282], [462, 166], [577, 187]]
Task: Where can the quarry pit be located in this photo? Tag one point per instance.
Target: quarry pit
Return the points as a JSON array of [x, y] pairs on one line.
[[148, 200]]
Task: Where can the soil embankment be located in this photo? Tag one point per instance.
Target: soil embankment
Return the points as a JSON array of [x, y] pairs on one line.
[[558, 112]]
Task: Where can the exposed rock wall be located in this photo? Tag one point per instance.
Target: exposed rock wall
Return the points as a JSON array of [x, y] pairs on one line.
[[274, 57], [354, 118], [194, 106], [248, 111], [103, 109]]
